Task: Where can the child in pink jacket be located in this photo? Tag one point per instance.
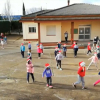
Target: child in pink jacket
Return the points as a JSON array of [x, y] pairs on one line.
[[94, 60], [30, 70], [39, 52]]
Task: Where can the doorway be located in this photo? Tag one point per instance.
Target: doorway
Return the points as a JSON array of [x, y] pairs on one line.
[[84, 32]]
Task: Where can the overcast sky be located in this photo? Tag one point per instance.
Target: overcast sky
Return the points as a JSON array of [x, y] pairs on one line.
[[16, 5]]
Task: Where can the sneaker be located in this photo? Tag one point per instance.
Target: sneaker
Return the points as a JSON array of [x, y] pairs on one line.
[[84, 88], [47, 85], [50, 86], [74, 85], [87, 69], [94, 84], [27, 82], [60, 68], [57, 67]]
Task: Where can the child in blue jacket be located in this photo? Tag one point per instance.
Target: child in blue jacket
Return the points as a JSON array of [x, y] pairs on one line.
[[64, 50], [47, 72], [59, 45]]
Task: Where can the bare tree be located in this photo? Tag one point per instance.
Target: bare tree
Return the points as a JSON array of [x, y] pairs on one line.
[[7, 14], [32, 10]]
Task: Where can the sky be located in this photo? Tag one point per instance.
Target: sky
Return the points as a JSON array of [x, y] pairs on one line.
[[16, 5]]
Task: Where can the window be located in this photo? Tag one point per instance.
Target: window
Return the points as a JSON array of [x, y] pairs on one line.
[[51, 30], [32, 29]]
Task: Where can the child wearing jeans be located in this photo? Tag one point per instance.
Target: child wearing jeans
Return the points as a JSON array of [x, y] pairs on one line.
[[75, 49], [39, 52], [81, 74], [64, 50], [30, 70], [48, 73]]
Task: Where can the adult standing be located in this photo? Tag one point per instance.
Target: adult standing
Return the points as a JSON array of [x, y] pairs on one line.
[[66, 36], [22, 49]]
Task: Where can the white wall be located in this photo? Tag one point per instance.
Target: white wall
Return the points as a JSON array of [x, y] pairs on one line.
[[44, 38], [26, 34]]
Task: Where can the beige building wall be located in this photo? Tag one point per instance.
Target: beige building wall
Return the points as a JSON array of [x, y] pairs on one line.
[[66, 26], [43, 34], [26, 34]]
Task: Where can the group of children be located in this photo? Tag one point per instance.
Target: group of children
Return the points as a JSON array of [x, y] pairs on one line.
[[58, 56]]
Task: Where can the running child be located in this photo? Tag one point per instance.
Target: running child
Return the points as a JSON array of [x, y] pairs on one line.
[[81, 74], [94, 60], [30, 70], [39, 52], [41, 47], [75, 49], [89, 49], [59, 57], [48, 73], [98, 81], [64, 50]]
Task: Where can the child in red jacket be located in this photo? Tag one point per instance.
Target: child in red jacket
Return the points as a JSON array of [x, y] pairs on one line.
[[89, 49], [39, 52], [73, 45], [81, 74]]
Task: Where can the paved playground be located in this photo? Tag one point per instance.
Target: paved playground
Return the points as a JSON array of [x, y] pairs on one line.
[[13, 84]]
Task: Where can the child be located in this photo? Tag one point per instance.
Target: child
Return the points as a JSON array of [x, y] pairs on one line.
[[5, 39], [73, 45], [39, 52], [94, 60], [89, 49], [81, 74], [2, 44], [41, 47], [47, 72], [29, 55], [56, 51], [30, 70], [22, 49], [64, 50], [29, 46], [98, 52], [59, 45], [59, 58], [75, 49], [98, 81]]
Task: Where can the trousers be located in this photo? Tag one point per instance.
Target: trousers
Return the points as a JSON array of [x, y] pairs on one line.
[[28, 75], [80, 79], [49, 80], [91, 64], [59, 63]]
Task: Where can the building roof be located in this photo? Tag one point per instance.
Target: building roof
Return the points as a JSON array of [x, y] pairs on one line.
[[36, 13], [63, 19], [74, 9]]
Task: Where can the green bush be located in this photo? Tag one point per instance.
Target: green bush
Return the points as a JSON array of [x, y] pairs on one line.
[[4, 26]]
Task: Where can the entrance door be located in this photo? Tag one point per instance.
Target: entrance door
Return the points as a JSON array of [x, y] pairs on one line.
[[84, 32]]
